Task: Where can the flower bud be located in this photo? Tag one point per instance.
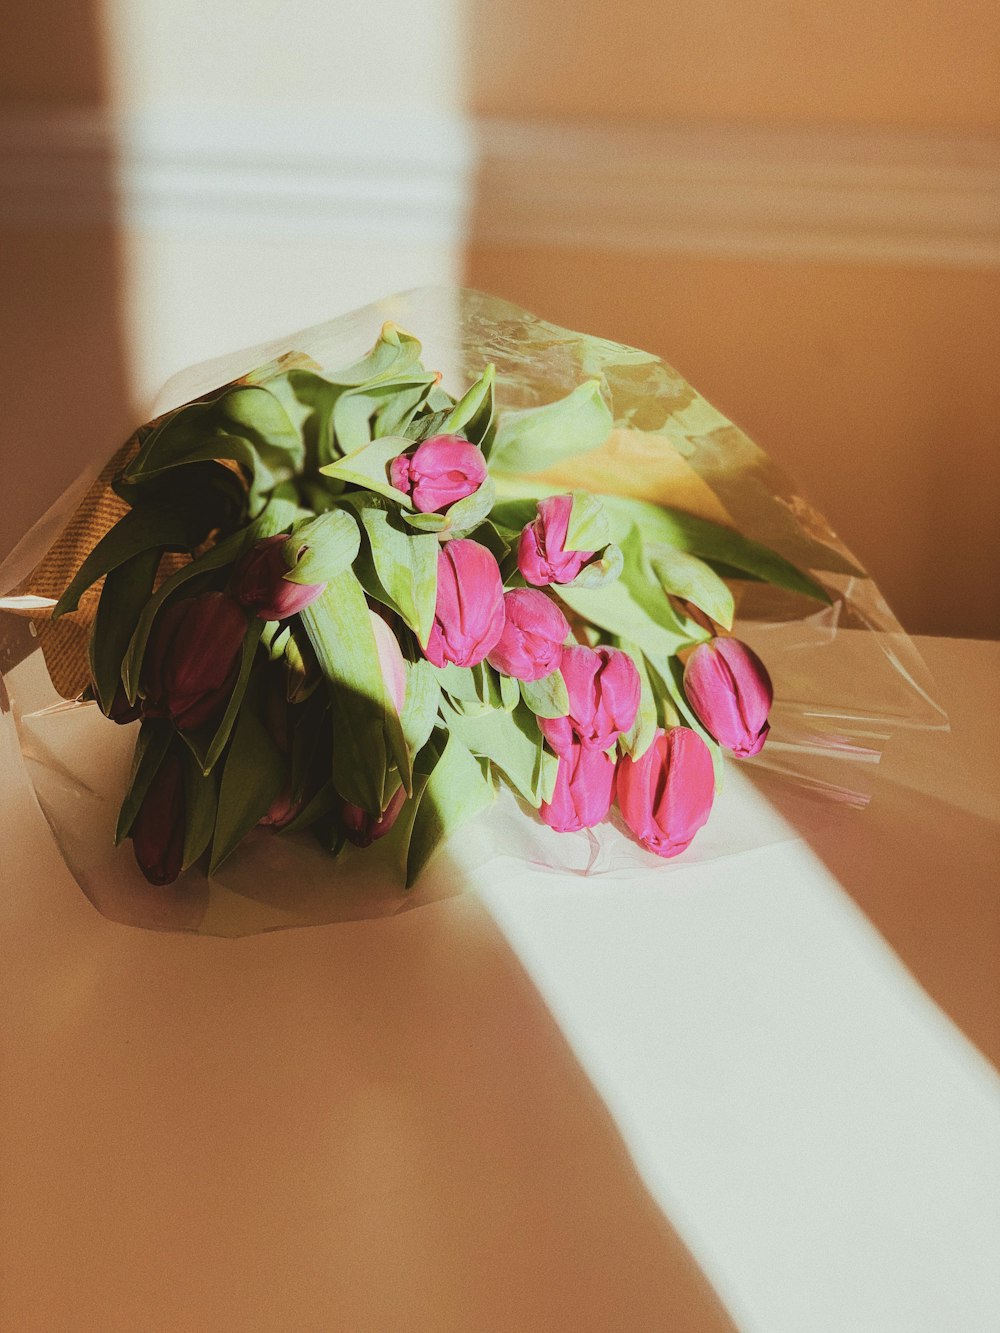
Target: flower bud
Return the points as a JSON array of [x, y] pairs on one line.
[[729, 689], [534, 631], [541, 554], [604, 690], [583, 792], [390, 660], [281, 811], [260, 585], [193, 658], [158, 831], [121, 711], [469, 616], [665, 796], [440, 471], [363, 828]]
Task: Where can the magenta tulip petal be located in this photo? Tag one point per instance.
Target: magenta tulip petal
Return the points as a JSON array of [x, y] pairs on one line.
[[534, 631], [541, 552], [469, 614], [584, 790], [729, 689], [666, 795], [442, 470], [604, 689]]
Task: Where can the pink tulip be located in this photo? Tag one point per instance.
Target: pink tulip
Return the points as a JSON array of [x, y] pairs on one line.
[[666, 795], [583, 792], [363, 828], [193, 658], [469, 616], [728, 687], [260, 585], [534, 631], [440, 471], [390, 659], [604, 689], [158, 831], [541, 554]]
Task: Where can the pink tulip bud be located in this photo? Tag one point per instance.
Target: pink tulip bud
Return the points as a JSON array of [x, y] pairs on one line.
[[604, 690], [534, 631], [541, 552], [666, 795], [363, 828], [583, 792], [193, 658], [121, 711], [728, 687], [469, 616], [158, 831], [281, 811], [440, 471], [259, 582], [390, 659]]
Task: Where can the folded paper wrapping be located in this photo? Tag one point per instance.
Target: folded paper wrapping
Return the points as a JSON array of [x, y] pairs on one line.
[[840, 695]]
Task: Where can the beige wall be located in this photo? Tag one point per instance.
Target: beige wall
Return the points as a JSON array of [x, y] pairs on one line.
[[912, 62], [874, 382]]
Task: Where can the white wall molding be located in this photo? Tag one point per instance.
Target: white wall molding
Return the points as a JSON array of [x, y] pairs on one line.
[[819, 194]]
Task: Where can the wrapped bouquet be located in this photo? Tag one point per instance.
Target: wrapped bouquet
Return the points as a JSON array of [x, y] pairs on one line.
[[344, 602]]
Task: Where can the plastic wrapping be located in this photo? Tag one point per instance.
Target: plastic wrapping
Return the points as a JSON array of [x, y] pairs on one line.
[[846, 676]]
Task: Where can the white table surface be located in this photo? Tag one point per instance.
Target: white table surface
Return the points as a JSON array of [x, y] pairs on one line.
[[761, 1093]]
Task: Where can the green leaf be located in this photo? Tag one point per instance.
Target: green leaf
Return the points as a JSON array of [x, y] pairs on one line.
[[367, 728], [607, 568], [320, 548], [423, 695], [254, 774], [144, 528], [368, 467], [472, 415], [151, 748], [711, 541], [394, 352], [537, 438], [513, 744], [406, 566], [469, 512], [126, 591], [510, 692], [588, 524], [455, 792], [667, 679], [426, 522], [357, 409], [547, 697], [459, 682], [201, 801], [617, 609], [684, 575]]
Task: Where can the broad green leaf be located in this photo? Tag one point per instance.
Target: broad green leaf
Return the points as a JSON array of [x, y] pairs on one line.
[[201, 802], [607, 568], [254, 775], [684, 575], [458, 682], [145, 528], [398, 409], [473, 413], [126, 591], [513, 744], [455, 792], [616, 609], [469, 512], [711, 541], [536, 438], [434, 523], [369, 467], [367, 728], [406, 566], [357, 409], [322, 547], [420, 708], [510, 692], [394, 352], [547, 697], [588, 524], [151, 748]]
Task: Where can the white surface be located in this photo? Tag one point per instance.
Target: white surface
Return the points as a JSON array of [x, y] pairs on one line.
[[378, 1125]]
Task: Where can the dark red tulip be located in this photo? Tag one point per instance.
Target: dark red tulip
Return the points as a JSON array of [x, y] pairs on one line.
[[260, 585], [158, 831], [363, 828], [193, 658]]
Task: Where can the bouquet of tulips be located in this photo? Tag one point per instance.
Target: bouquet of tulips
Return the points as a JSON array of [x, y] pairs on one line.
[[341, 602]]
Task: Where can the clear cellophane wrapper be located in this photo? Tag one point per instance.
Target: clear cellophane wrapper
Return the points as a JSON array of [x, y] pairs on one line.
[[846, 676]]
